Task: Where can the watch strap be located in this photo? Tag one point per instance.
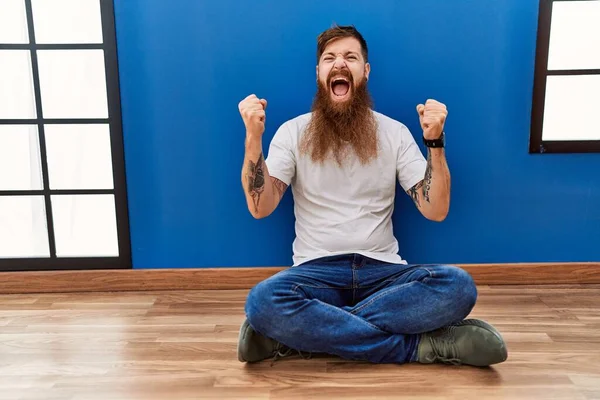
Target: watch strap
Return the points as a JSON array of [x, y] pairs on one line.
[[435, 143]]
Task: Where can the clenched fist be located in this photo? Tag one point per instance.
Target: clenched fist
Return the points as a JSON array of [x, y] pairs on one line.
[[432, 116], [252, 110]]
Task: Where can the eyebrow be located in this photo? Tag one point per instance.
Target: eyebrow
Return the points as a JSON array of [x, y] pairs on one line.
[[329, 53]]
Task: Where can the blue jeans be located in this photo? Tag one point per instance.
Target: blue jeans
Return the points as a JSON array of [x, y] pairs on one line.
[[358, 308]]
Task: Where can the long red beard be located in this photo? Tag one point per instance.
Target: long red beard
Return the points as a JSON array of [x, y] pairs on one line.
[[341, 129]]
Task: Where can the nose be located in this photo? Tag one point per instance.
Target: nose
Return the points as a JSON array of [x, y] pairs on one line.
[[339, 63]]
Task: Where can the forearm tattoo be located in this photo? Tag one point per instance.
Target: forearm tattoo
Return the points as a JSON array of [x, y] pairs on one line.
[[256, 179], [427, 180], [414, 192], [279, 187], [423, 186]]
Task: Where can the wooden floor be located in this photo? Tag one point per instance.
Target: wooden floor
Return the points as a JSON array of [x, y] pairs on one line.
[[182, 345]]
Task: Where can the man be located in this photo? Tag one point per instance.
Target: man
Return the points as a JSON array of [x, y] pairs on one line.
[[349, 293]]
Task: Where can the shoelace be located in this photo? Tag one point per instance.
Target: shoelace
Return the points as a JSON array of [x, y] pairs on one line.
[[283, 351], [444, 348]]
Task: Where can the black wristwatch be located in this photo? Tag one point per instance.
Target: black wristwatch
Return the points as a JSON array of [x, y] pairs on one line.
[[435, 143]]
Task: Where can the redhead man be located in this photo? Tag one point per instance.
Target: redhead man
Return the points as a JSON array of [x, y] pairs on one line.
[[349, 293]]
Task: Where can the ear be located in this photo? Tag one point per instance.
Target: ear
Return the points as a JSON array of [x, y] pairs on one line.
[[317, 72], [367, 70]]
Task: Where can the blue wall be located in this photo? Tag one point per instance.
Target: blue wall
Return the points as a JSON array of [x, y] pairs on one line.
[[186, 64]]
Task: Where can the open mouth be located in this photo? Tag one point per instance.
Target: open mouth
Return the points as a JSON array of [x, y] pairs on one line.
[[340, 86]]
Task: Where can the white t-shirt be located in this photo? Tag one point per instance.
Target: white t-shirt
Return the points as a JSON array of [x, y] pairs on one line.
[[346, 209]]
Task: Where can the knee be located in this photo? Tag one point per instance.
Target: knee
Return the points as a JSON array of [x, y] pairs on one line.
[[266, 306], [462, 290], [258, 304]]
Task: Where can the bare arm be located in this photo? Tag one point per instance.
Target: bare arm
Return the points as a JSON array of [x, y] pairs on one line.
[[432, 194], [263, 192]]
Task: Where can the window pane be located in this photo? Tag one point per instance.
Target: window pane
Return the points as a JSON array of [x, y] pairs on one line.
[[67, 21], [85, 225], [73, 83], [570, 102], [16, 85], [23, 229], [20, 167], [575, 35], [13, 22], [79, 156]]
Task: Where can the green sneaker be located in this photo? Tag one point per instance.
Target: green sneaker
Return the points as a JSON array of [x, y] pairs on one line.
[[472, 342], [254, 347]]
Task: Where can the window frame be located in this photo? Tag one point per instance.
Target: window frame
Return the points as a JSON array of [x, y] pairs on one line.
[[109, 47], [536, 143]]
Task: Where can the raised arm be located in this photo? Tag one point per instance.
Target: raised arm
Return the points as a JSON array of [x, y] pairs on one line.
[[263, 192], [432, 194]]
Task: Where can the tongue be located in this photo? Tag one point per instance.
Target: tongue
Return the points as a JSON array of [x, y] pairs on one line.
[[340, 89]]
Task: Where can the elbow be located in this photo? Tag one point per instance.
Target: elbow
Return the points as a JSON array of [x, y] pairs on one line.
[[259, 214], [437, 216]]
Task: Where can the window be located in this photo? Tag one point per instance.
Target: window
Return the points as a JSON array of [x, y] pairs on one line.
[[63, 198], [567, 78]]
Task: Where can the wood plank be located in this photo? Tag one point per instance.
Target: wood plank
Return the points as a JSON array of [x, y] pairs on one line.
[[182, 345], [245, 278]]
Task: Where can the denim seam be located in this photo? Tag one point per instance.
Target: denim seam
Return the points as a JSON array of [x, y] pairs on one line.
[[391, 290], [342, 310], [353, 284], [368, 323], [330, 287], [320, 287]]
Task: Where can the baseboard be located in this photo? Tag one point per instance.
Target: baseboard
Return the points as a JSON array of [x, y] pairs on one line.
[[245, 278]]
